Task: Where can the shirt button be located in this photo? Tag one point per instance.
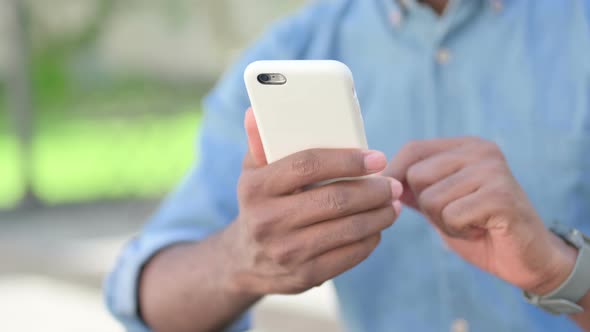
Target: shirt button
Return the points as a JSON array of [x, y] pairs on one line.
[[396, 18], [460, 325], [443, 56]]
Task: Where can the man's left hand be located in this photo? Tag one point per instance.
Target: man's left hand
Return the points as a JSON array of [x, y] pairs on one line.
[[465, 188]]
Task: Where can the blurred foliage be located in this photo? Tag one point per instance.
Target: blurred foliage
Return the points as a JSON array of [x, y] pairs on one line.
[[109, 140], [104, 133], [83, 158], [113, 159], [97, 136]]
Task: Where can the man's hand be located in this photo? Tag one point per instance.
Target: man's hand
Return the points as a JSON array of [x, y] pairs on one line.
[[286, 239], [465, 188]]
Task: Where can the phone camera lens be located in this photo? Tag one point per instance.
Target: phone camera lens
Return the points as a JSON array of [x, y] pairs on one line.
[[263, 78]]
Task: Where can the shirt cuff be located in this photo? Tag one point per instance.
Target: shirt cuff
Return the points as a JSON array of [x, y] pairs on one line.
[[121, 286]]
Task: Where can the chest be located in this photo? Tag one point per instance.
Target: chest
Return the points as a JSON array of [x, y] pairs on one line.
[[521, 84]]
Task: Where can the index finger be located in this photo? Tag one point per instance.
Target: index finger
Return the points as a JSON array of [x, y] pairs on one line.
[[416, 151], [308, 167], [255, 156]]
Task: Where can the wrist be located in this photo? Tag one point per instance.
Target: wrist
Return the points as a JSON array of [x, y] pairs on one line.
[[235, 279], [559, 267]]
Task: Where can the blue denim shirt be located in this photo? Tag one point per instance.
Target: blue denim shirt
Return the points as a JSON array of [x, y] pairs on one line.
[[516, 72]]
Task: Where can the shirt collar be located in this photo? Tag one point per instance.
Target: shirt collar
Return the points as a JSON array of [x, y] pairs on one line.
[[404, 7], [397, 11]]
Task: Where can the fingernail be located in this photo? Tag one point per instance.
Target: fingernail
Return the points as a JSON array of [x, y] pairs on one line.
[[397, 189], [375, 161], [397, 206]]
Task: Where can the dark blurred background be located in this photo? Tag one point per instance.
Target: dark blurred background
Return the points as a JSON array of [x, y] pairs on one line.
[[99, 111]]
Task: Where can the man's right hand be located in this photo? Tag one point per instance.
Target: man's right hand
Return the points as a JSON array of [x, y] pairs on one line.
[[286, 239]]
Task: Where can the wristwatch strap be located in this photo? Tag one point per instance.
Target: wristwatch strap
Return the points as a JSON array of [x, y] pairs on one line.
[[564, 299]]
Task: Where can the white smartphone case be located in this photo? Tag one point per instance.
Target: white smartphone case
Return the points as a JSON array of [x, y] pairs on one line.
[[316, 107]]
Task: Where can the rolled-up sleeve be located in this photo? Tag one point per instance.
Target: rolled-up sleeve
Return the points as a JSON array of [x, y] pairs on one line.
[[205, 202]]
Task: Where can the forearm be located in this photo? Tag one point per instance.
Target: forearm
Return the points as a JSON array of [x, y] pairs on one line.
[[187, 288]]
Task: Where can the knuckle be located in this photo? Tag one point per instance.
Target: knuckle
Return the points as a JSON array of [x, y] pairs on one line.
[[357, 225], [382, 186], [453, 213], [258, 232], [414, 146], [338, 235], [375, 241], [282, 254], [413, 174], [501, 186], [453, 227], [502, 194], [457, 220], [387, 215], [431, 203], [500, 223], [348, 229], [370, 245], [262, 226], [333, 200], [356, 161], [492, 149], [416, 175], [306, 164], [364, 254]]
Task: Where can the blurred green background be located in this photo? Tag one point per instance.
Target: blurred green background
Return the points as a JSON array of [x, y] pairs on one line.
[[100, 100], [96, 155]]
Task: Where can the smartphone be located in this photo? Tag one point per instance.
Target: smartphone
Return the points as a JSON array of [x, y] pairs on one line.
[[304, 104]]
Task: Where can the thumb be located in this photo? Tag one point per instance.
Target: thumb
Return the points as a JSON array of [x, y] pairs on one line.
[[256, 156]]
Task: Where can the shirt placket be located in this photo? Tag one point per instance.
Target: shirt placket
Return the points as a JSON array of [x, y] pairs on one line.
[[437, 63], [443, 62]]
